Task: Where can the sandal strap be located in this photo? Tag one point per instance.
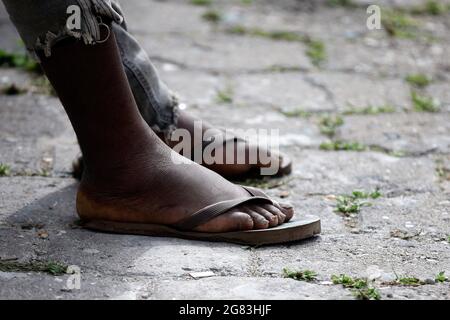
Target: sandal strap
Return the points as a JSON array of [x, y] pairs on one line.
[[210, 212]]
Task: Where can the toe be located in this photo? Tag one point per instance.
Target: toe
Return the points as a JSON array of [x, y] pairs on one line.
[[244, 221], [269, 216], [259, 222], [228, 222], [288, 210], [276, 211]]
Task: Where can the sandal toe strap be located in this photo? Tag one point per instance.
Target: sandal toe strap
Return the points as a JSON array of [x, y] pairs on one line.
[[210, 212]]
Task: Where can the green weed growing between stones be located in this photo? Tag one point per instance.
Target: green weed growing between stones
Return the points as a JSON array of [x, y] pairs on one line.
[[296, 113], [281, 35], [201, 2], [18, 60], [342, 146], [348, 205], [408, 281], [225, 95], [358, 194], [342, 3], [351, 204], [431, 7], [441, 277], [359, 287], [399, 24], [418, 80], [329, 124], [212, 16], [315, 49], [316, 52], [423, 103], [5, 170], [50, 267], [442, 171], [303, 275], [370, 110]]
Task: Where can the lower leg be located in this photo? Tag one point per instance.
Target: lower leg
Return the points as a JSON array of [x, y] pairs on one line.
[[130, 175], [156, 105]]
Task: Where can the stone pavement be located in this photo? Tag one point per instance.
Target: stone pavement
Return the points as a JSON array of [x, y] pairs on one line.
[[309, 68]]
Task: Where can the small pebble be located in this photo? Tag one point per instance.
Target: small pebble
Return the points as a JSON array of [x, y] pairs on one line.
[[43, 234], [284, 194], [91, 251], [200, 275]]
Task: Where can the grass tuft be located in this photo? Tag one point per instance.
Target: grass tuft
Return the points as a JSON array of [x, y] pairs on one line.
[[296, 113], [18, 60], [409, 281], [342, 3], [399, 24], [201, 2], [351, 204], [304, 275], [225, 95], [367, 294], [342, 146], [418, 80], [315, 49], [280, 35], [212, 16], [424, 104], [50, 267], [370, 110], [316, 52], [358, 194], [5, 170], [348, 205], [431, 7], [329, 124], [441, 277], [360, 287]]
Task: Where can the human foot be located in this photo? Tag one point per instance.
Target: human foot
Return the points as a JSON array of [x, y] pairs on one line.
[[230, 166], [130, 174], [151, 189]]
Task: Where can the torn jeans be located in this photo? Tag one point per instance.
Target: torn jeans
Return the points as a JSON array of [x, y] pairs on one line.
[[42, 23]]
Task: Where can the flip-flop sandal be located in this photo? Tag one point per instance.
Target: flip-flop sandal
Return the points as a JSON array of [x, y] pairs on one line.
[[294, 230]]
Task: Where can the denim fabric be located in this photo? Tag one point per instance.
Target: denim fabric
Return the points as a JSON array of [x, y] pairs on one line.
[[42, 23]]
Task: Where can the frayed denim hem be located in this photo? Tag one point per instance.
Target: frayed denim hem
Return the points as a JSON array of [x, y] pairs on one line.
[[43, 23], [92, 14]]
